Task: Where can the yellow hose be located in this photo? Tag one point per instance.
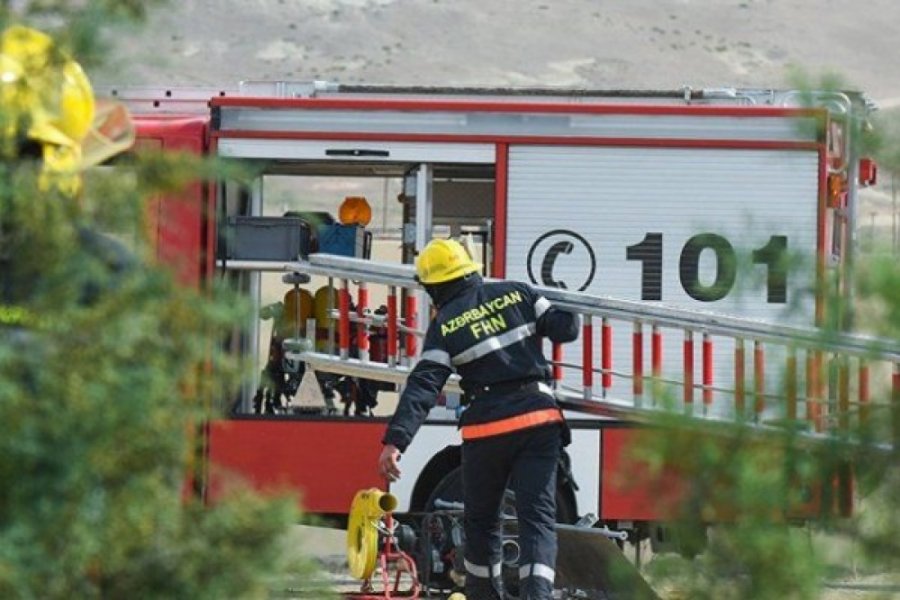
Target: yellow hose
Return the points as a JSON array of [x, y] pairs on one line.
[[362, 532]]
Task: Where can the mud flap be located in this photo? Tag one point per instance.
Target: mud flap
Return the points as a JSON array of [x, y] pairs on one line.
[[590, 562]]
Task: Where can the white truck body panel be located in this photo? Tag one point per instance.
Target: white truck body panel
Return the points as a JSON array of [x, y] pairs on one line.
[[612, 197]]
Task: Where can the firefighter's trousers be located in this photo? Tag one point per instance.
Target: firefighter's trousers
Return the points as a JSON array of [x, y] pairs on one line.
[[528, 460]]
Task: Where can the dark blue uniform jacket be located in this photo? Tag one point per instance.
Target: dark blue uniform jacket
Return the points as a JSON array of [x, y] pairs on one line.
[[490, 333]]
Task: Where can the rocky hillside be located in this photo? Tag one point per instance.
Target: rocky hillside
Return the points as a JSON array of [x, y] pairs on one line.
[[617, 44], [581, 43]]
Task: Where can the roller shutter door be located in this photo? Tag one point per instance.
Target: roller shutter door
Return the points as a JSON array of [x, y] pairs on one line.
[[574, 212]]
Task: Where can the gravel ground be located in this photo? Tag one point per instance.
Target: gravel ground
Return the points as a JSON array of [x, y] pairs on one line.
[[327, 548]]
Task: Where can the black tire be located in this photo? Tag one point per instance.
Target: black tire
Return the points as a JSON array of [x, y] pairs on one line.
[[448, 489]]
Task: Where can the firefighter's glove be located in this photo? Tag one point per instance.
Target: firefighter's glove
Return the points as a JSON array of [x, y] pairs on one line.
[[388, 465]]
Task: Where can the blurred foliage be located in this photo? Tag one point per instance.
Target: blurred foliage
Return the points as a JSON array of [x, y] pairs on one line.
[[761, 515], [105, 363], [102, 384], [879, 284]]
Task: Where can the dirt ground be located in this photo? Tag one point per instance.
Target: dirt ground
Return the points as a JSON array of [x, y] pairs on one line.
[[327, 547]]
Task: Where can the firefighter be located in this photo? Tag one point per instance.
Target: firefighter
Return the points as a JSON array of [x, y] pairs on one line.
[[512, 428]]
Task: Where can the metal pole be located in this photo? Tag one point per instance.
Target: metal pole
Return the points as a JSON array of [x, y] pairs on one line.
[[296, 310], [656, 361], [740, 408], [384, 205], [392, 344], [864, 408], [556, 359], [688, 370], [637, 362], [362, 331], [331, 297], [587, 362], [256, 209], [791, 385], [895, 405], [606, 355], [759, 378], [411, 320], [424, 186], [344, 322], [895, 234], [707, 375]]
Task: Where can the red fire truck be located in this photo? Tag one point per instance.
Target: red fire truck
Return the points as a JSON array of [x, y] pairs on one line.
[[676, 204]]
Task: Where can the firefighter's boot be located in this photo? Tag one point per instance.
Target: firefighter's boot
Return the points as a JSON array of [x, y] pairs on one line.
[[535, 587]]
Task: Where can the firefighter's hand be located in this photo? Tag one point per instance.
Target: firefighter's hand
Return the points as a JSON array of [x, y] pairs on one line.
[[387, 463]]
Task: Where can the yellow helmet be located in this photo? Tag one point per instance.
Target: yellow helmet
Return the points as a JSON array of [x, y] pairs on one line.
[[46, 97], [442, 261]]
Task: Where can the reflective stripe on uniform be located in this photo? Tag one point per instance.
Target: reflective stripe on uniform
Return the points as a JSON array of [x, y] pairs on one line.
[[524, 421], [482, 571], [537, 570], [437, 356], [492, 344], [545, 389], [540, 306]]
